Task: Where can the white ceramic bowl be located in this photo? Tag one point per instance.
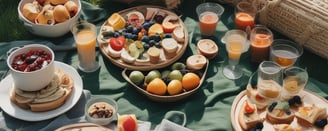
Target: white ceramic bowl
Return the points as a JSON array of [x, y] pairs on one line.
[[101, 121], [34, 80], [48, 30]]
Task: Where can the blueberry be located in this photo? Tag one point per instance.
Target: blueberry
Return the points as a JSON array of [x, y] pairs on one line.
[[158, 45], [291, 102], [167, 35], [134, 37], [157, 37], [129, 35], [252, 129], [135, 30], [288, 112], [183, 72], [116, 34], [151, 22], [158, 18], [146, 46], [166, 80], [321, 123], [145, 39], [152, 42], [146, 25], [129, 29], [271, 107]]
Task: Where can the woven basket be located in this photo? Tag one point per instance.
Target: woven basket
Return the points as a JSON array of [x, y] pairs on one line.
[[304, 21]]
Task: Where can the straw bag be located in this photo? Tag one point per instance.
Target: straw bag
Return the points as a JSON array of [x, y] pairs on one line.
[[304, 21]]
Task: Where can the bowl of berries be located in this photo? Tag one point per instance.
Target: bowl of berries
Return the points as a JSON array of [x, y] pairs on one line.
[[31, 67]]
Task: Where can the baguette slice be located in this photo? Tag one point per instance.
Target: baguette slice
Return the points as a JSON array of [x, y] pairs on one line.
[[307, 115], [246, 119]]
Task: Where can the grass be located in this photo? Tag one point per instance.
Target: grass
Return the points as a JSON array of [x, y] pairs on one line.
[[11, 28]]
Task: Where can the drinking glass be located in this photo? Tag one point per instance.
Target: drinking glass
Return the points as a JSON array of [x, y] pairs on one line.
[[295, 79], [85, 38], [269, 80], [208, 14], [245, 14], [236, 44], [261, 38], [285, 52]]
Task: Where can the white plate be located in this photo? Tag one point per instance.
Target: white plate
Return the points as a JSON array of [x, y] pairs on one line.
[[27, 115], [308, 98]]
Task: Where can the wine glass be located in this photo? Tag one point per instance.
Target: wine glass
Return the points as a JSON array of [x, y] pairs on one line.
[[236, 44]]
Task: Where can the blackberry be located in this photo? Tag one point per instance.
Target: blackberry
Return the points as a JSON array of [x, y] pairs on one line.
[[271, 107], [321, 123], [259, 125]]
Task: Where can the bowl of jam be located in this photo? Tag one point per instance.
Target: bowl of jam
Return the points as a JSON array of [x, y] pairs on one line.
[[31, 66]]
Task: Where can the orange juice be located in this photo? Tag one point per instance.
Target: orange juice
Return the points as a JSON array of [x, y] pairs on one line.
[[242, 20], [260, 47], [207, 23], [235, 49], [86, 43]]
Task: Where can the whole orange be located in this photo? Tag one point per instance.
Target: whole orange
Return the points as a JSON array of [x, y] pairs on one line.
[[190, 81], [157, 86], [174, 87]]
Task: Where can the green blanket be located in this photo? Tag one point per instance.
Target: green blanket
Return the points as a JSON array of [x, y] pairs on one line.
[[206, 110]]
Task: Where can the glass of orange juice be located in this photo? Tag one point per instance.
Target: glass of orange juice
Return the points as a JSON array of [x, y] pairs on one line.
[[285, 52], [85, 38], [208, 14], [236, 44], [270, 79], [261, 38], [245, 13]]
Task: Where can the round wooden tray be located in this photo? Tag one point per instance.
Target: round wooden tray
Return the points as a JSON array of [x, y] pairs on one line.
[[166, 98], [145, 66]]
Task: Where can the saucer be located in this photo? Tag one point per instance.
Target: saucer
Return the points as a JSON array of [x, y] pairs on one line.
[[27, 115]]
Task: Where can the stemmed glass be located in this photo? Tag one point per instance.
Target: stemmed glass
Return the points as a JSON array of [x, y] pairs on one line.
[[236, 44]]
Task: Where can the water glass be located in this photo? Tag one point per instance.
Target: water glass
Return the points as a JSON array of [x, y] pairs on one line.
[[245, 14]]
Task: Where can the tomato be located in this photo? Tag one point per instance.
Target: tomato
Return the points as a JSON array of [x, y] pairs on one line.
[[116, 44]]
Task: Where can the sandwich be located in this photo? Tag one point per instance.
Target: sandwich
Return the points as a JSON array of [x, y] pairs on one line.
[[50, 97], [279, 113], [307, 115], [248, 116]]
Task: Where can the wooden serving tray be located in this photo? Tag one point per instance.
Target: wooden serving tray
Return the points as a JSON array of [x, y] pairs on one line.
[[308, 98], [142, 65], [167, 98]]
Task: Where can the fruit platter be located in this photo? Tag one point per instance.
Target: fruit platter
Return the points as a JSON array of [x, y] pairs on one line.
[[143, 38], [303, 111], [170, 84]]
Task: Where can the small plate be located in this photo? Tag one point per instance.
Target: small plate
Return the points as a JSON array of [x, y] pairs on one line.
[[167, 98], [144, 65], [27, 115], [308, 99]]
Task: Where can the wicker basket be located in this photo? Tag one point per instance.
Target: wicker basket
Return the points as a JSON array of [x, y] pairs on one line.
[[304, 21]]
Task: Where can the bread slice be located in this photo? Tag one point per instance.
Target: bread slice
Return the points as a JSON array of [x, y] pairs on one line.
[[279, 113], [307, 115], [286, 127], [51, 97], [248, 116]]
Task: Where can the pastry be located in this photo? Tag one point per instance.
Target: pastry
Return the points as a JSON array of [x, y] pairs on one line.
[[51, 97], [279, 113], [307, 115], [248, 116]]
